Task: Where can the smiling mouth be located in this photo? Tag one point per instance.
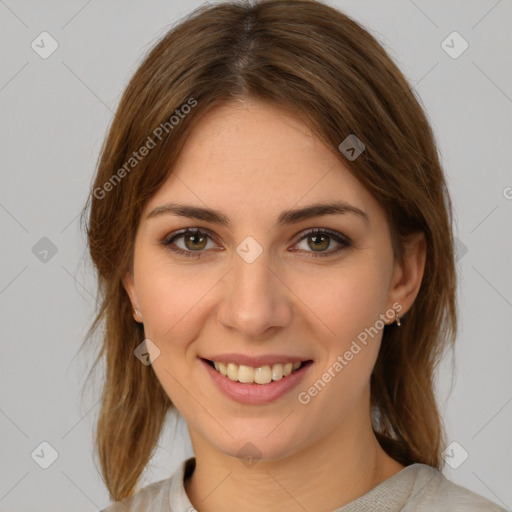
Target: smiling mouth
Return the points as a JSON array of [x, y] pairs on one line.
[[261, 375]]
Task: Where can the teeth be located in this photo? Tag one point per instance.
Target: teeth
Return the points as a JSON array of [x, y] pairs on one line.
[[261, 375]]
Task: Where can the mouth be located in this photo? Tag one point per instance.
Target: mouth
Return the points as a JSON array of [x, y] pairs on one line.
[[256, 386], [257, 375]]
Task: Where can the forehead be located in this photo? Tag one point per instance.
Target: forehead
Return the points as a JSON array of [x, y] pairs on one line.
[[257, 157]]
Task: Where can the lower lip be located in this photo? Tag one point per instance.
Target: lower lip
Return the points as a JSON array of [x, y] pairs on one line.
[[257, 394]]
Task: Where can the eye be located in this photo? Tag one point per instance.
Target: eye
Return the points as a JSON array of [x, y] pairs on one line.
[[192, 242], [320, 239]]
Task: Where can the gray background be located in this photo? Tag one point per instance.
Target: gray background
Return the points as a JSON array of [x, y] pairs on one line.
[[55, 113]]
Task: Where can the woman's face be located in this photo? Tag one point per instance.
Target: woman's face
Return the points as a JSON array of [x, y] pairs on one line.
[[258, 284]]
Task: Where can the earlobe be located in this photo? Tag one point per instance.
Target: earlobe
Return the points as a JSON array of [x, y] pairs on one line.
[[129, 286], [409, 275]]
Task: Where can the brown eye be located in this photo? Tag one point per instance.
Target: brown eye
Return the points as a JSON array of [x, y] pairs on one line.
[[318, 240], [195, 241], [188, 242]]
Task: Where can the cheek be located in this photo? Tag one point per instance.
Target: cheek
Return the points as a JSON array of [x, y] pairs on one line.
[[349, 312], [173, 301], [345, 299], [172, 298], [347, 303]]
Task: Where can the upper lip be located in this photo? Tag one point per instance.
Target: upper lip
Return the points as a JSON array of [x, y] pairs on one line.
[[256, 361]]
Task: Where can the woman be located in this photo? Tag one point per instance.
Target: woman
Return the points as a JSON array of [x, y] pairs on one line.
[[272, 233]]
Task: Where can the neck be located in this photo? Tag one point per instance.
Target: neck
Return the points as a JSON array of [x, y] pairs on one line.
[[342, 466]]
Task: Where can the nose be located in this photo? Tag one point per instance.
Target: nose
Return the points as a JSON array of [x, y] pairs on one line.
[[255, 300]]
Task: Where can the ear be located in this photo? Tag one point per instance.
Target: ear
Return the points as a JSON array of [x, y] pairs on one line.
[[407, 277], [129, 286]]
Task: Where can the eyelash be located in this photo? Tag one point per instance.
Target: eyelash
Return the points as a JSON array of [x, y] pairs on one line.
[[168, 241]]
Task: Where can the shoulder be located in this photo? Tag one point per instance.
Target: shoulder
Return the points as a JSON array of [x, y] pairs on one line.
[[154, 497], [433, 491]]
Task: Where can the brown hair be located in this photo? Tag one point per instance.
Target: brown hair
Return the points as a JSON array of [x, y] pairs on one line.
[[322, 65]]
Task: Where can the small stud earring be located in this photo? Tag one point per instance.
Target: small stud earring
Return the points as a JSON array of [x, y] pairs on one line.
[[137, 312], [397, 317]]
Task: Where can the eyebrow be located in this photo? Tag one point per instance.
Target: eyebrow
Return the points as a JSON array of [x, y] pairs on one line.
[[285, 217]]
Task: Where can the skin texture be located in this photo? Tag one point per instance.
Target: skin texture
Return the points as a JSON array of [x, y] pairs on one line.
[[252, 160]]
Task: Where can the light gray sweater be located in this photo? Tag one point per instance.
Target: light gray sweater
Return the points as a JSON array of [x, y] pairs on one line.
[[418, 488]]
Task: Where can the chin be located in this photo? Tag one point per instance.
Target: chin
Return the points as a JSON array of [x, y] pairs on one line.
[[253, 448]]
